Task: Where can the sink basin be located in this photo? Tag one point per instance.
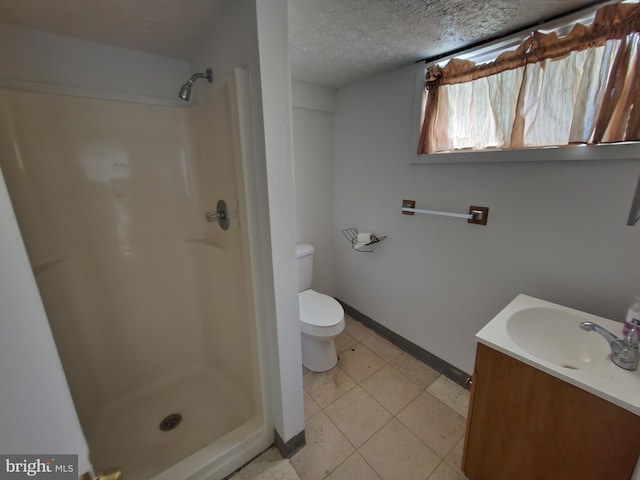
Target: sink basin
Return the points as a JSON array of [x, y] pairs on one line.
[[548, 337], [555, 336]]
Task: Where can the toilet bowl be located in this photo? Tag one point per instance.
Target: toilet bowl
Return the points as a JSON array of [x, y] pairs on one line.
[[321, 318]]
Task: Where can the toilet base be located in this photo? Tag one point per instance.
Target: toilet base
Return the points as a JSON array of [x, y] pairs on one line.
[[318, 354]]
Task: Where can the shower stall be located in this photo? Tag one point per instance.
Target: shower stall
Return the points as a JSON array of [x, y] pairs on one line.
[[150, 304]]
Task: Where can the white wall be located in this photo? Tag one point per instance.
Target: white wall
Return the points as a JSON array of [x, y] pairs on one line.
[[37, 414], [313, 109], [275, 93], [231, 42], [44, 61], [254, 35], [556, 230]]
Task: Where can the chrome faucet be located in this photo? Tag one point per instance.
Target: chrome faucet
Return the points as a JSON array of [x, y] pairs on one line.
[[624, 353]]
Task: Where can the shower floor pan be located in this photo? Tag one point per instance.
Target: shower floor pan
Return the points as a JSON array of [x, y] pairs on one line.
[[128, 434]]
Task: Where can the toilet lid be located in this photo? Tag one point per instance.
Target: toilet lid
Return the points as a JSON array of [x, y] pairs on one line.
[[319, 310]]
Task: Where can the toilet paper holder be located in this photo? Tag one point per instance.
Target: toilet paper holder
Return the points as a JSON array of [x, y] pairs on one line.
[[357, 243]]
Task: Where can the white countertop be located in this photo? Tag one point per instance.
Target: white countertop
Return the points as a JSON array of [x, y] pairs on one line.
[[604, 379]]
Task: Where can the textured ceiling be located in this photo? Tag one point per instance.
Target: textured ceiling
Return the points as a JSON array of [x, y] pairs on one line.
[[333, 42], [338, 42], [171, 28]]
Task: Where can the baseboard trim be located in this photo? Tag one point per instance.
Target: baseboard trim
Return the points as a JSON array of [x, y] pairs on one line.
[[445, 368], [295, 443]]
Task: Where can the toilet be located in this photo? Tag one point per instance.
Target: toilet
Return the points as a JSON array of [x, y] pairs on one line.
[[321, 317]]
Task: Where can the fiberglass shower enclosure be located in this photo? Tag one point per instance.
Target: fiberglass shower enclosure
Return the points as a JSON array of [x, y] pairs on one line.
[[150, 305]]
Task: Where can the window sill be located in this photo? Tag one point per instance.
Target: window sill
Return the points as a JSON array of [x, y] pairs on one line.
[[619, 151]]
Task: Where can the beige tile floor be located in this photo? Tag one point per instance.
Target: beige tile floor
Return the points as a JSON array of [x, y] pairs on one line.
[[380, 414]]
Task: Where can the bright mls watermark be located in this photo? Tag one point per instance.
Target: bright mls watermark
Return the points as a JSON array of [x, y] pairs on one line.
[[50, 467]]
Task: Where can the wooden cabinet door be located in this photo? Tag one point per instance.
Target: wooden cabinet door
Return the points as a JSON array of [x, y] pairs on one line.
[[527, 425]]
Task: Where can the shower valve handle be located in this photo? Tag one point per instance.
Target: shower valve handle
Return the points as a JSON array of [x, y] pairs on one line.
[[220, 215], [215, 216]]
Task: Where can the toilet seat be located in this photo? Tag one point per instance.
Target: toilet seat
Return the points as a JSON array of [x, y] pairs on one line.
[[320, 314]]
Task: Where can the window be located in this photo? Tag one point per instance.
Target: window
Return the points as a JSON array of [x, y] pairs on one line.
[[578, 88]]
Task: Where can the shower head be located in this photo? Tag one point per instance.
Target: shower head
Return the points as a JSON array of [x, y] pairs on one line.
[[185, 91]]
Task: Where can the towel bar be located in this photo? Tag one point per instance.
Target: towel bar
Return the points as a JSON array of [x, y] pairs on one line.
[[477, 215]]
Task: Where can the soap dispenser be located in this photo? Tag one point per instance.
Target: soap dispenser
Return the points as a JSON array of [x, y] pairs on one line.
[[633, 316]]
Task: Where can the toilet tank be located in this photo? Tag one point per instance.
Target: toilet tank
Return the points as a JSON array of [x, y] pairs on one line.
[[305, 266]]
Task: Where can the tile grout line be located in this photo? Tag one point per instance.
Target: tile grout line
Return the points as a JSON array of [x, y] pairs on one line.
[[434, 471], [393, 416], [421, 391], [357, 449], [417, 352], [426, 390]]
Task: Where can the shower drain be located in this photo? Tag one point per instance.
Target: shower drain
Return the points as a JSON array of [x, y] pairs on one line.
[[170, 422]]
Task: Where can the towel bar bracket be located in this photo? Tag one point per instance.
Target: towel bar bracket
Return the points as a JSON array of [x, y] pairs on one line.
[[408, 204], [479, 215]]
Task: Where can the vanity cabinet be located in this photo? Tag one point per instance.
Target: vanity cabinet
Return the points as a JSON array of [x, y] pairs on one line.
[[525, 424]]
